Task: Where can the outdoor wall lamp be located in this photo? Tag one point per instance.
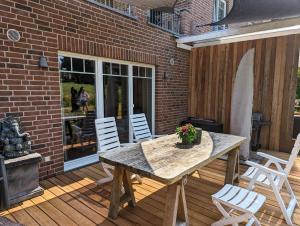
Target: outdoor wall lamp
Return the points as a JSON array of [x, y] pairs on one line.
[[43, 61]]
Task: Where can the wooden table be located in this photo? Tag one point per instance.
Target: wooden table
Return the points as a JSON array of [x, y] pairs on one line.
[[164, 160]]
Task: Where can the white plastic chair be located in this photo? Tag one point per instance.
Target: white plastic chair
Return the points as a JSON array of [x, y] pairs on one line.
[[237, 200], [275, 178], [140, 127], [108, 139]]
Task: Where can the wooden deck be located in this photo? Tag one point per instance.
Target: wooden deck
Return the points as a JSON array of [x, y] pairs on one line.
[[74, 199]]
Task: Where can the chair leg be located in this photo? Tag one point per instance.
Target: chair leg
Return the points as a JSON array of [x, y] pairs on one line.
[[232, 220], [254, 221], [280, 201], [227, 217]]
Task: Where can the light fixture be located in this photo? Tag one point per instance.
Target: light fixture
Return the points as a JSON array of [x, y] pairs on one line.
[[43, 61]]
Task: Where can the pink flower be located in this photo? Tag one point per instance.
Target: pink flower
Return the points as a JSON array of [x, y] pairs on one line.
[[184, 130]]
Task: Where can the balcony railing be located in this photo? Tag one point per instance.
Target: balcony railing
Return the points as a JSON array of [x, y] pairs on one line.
[[114, 5], [167, 21]]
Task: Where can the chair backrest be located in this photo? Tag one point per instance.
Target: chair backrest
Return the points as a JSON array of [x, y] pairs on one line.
[[107, 134], [293, 156], [140, 127]]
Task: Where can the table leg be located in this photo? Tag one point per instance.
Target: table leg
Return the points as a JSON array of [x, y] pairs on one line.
[[129, 194], [175, 208], [233, 167], [121, 178]]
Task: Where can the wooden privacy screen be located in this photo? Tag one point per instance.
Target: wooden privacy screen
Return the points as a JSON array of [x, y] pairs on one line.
[[275, 75]]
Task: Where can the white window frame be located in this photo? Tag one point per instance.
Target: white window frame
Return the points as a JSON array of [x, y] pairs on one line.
[[77, 163], [216, 13]]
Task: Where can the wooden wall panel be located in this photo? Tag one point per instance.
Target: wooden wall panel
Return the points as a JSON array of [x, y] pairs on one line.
[[275, 68]]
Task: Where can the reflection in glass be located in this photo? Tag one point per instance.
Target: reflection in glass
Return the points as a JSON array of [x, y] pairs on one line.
[[116, 103], [79, 114], [65, 63]]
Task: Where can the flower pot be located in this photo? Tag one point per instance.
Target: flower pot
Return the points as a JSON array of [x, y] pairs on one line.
[[198, 136], [184, 140]]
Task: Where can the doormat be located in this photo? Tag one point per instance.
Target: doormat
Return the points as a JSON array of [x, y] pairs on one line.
[[6, 222]]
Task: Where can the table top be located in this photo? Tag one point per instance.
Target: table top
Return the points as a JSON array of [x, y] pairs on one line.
[[162, 159]]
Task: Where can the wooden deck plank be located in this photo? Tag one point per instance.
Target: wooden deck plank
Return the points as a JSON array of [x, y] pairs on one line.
[[74, 198], [61, 201]]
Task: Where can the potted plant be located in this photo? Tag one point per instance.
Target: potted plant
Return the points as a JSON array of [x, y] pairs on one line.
[[187, 133]]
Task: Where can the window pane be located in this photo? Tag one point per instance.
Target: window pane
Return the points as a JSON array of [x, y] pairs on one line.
[[142, 97], [135, 71], [116, 69], [65, 63], [107, 68], [116, 103], [149, 72], [77, 64], [79, 114], [124, 69], [142, 72], [90, 66]]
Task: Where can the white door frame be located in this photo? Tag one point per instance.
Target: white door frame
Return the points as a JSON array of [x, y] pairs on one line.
[[73, 164]]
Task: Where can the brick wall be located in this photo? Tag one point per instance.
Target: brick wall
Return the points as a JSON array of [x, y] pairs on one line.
[[200, 13], [79, 27]]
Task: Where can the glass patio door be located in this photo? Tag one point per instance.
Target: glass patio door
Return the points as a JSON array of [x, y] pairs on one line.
[[142, 92], [127, 89], [116, 96]]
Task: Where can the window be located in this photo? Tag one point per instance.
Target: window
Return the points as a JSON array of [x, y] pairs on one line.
[[220, 11], [166, 21], [117, 6]]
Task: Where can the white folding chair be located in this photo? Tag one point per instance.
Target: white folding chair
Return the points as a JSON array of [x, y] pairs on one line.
[[275, 178], [108, 139], [140, 127], [237, 200]]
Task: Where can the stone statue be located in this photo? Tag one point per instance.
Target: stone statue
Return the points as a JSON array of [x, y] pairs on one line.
[[15, 143]]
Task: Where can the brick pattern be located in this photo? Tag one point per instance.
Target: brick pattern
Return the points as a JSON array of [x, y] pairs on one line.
[[78, 26]]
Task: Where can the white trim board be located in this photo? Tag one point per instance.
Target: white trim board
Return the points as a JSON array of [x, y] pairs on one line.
[[81, 162], [253, 32]]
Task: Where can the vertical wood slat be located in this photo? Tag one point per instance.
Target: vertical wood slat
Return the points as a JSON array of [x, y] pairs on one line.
[[213, 71]]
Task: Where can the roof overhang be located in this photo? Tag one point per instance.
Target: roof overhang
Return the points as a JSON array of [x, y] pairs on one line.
[[246, 33]]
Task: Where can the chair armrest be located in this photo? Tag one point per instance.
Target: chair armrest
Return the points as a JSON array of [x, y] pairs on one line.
[[265, 169], [272, 158]]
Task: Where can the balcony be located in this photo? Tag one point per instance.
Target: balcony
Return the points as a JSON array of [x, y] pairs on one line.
[[169, 22], [116, 6]]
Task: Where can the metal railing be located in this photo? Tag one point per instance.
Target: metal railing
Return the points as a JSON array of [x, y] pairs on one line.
[[167, 21], [118, 6]]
